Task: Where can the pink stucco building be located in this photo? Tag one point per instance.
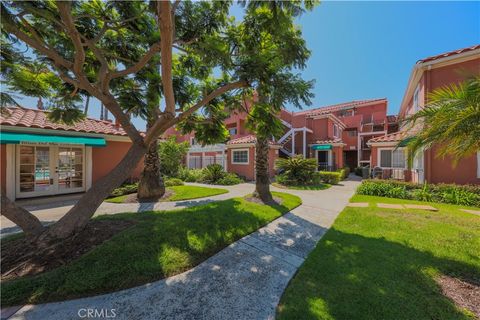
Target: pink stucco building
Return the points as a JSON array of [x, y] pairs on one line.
[[428, 75]]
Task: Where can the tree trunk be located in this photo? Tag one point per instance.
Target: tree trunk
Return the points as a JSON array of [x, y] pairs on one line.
[[87, 102], [262, 180], [78, 216], [29, 223], [151, 186]]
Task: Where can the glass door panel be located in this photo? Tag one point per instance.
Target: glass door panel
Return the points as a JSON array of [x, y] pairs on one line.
[[34, 170], [70, 168]]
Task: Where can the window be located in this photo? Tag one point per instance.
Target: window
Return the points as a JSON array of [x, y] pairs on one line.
[[193, 141], [416, 107], [335, 131], [346, 113], [352, 133], [240, 156], [232, 131], [392, 158]]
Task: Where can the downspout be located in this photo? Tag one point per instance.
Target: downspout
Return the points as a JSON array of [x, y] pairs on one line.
[[428, 164]]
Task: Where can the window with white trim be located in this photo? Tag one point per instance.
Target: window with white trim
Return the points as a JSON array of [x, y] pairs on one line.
[[416, 106], [335, 131], [232, 131], [240, 156], [390, 158], [193, 141]]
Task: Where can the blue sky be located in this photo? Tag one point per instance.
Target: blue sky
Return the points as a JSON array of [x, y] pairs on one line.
[[363, 50]]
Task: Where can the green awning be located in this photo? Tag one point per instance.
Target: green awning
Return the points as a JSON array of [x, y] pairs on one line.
[[322, 147], [16, 138]]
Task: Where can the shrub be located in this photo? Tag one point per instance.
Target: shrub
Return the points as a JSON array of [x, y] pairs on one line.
[[190, 175], [445, 193], [126, 188], [229, 179], [344, 172], [171, 155], [283, 179], [297, 169], [212, 173], [329, 177], [173, 182]]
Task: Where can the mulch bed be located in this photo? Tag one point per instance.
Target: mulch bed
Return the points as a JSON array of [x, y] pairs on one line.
[[465, 295], [276, 200], [18, 259], [132, 198]]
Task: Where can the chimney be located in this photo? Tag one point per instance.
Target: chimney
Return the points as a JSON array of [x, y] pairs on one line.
[[40, 104]]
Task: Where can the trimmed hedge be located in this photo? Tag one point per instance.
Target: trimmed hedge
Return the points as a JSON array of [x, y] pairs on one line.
[[124, 189], [329, 177], [467, 195], [173, 182], [344, 172]]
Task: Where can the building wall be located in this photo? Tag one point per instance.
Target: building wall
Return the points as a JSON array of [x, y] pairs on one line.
[[245, 170], [106, 158], [442, 170], [3, 167]]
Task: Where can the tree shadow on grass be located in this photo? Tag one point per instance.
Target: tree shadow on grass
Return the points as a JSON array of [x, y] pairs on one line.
[[349, 276], [161, 244]]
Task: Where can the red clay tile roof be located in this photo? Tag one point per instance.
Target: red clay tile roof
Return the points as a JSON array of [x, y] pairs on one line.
[[391, 137], [450, 53], [337, 107], [392, 118], [32, 118], [331, 141], [247, 139]]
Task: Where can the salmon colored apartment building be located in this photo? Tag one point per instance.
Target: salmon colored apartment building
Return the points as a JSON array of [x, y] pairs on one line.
[[427, 75], [42, 158], [336, 136]]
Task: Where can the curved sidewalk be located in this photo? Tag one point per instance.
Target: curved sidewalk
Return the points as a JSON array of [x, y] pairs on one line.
[[243, 281]]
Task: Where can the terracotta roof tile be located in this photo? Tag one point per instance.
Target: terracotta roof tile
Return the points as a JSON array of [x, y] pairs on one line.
[[450, 53], [337, 107], [32, 118], [247, 139], [391, 137]]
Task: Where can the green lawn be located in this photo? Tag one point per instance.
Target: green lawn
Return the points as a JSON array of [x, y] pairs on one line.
[[161, 244], [321, 186], [181, 193], [382, 263]]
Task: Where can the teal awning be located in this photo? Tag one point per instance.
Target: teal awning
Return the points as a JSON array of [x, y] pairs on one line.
[[16, 138], [322, 147]]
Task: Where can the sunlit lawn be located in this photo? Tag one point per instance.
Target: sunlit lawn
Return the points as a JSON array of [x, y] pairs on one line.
[[181, 193], [379, 263], [159, 245]]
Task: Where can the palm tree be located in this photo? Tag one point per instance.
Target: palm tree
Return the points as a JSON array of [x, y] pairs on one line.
[[451, 121]]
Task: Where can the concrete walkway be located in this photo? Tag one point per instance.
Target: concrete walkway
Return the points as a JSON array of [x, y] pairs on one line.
[[243, 281], [49, 212]]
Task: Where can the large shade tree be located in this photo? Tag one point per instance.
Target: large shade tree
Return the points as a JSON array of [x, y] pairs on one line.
[[96, 46], [450, 121], [92, 46]]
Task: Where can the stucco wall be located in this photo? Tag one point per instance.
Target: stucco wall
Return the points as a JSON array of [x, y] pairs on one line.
[[442, 170], [106, 158], [3, 167]]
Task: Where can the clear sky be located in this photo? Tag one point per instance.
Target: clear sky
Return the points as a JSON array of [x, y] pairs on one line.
[[363, 50]]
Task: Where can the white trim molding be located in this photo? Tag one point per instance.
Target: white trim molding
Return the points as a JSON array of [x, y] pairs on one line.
[[478, 164]]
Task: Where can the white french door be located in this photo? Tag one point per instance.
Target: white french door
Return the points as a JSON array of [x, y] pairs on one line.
[[43, 170]]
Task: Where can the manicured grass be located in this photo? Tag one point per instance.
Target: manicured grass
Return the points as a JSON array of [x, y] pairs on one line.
[[161, 244], [321, 186], [181, 193], [379, 263]]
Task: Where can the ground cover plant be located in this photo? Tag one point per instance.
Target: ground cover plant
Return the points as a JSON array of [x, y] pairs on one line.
[[444, 193], [377, 263], [174, 192], [212, 174], [158, 245]]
